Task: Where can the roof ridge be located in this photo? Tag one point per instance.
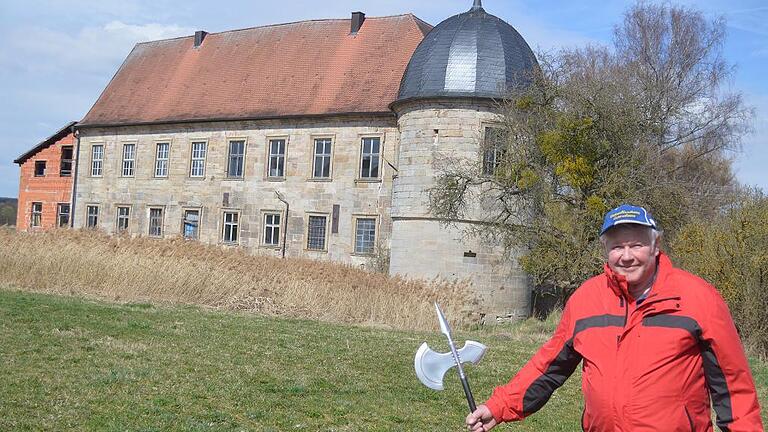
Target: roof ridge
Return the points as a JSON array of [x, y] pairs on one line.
[[285, 24], [45, 143]]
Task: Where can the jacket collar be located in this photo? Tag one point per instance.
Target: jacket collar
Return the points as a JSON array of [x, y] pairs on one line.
[[618, 283]]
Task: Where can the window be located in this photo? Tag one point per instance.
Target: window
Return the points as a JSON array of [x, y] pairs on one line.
[[316, 233], [365, 236], [369, 162], [191, 224], [197, 167], [321, 165], [62, 215], [123, 218], [65, 168], [155, 222], [92, 216], [272, 229], [236, 159], [493, 149], [276, 158], [36, 218], [97, 160], [129, 159], [161, 159], [40, 168], [230, 227]]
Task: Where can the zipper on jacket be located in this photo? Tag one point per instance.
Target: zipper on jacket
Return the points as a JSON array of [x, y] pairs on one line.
[[623, 303]]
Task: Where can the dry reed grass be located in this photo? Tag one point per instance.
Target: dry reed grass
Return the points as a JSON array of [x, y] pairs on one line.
[[92, 264]]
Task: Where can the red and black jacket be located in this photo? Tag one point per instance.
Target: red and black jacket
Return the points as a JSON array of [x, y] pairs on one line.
[[651, 366]]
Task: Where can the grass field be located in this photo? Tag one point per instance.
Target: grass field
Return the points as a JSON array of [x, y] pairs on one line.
[[71, 364]]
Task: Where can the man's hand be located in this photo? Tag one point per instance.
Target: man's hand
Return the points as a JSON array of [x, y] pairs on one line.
[[481, 420]]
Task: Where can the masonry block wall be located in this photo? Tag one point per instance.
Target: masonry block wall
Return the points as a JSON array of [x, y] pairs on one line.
[[434, 133], [48, 188], [340, 199]]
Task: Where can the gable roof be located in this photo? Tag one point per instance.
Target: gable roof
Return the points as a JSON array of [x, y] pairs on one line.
[[66, 130], [304, 68]]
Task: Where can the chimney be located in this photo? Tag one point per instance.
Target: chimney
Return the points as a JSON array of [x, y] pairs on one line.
[[199, 36], [357, 21]]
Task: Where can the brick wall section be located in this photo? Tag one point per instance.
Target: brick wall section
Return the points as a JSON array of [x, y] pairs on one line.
[[50, 190]]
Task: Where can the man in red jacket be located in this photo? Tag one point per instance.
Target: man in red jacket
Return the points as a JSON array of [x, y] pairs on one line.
[[656, 344]]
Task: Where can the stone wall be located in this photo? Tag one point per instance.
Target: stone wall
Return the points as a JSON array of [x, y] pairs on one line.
[[255, 193], [434, 133]]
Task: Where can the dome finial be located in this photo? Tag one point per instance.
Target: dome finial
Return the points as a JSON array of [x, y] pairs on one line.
[[478, 5]]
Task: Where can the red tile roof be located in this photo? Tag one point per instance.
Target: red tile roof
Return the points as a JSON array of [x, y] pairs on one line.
[[302, 68]]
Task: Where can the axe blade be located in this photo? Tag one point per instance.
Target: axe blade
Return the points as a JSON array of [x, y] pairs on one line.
[[431, 366]]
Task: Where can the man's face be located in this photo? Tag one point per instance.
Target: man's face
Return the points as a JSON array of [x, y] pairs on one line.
[[631, 252]]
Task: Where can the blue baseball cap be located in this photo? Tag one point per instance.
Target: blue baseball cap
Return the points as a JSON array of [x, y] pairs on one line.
[[627, 214]]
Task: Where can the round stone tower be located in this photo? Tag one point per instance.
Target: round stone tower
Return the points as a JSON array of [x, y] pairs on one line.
[[447, 103]]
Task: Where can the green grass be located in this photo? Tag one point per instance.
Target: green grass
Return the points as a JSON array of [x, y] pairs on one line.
[[71, 364]]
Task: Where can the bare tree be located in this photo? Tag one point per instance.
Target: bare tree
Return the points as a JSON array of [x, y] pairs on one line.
[[648, 120]]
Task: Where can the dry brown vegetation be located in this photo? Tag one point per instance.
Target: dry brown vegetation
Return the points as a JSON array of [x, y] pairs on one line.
[[93, 264]]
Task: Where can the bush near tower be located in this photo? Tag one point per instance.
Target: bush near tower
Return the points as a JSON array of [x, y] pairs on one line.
[[647, 120]]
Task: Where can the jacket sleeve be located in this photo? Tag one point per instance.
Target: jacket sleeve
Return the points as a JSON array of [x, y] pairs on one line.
[[729, 380], [532, 387]]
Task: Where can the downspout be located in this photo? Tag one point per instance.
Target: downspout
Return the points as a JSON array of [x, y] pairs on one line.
[[72, 211], [287, 208]]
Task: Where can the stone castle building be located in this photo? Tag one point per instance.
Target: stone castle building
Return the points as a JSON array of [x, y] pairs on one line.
[[315, 139]]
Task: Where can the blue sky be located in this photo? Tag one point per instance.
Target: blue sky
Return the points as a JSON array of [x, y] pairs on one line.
[[57, 56]]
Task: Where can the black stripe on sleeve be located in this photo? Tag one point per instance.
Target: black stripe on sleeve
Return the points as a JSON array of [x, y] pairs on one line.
[[674, 321], [713, 373], [718, 387]]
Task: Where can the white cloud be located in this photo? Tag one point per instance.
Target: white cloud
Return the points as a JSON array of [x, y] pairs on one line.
[[34, 49]]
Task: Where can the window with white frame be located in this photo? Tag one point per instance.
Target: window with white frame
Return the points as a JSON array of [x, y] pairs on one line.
[[155, 222], [191, 224], [62, 215], [161, 159], [316, 232], [231, 227], [271, 229], [236, 159], [365, 236], [123, 218], [276, 167], [92, 216], [36, 217], [97, 160], [129, 159], [197, 167], [494, 145], [321, 165], [370, 157]]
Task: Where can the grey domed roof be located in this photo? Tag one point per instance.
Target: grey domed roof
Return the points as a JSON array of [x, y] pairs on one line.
[[473, 54]]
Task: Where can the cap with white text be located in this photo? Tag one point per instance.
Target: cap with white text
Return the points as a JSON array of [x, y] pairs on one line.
[[627, 214]]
